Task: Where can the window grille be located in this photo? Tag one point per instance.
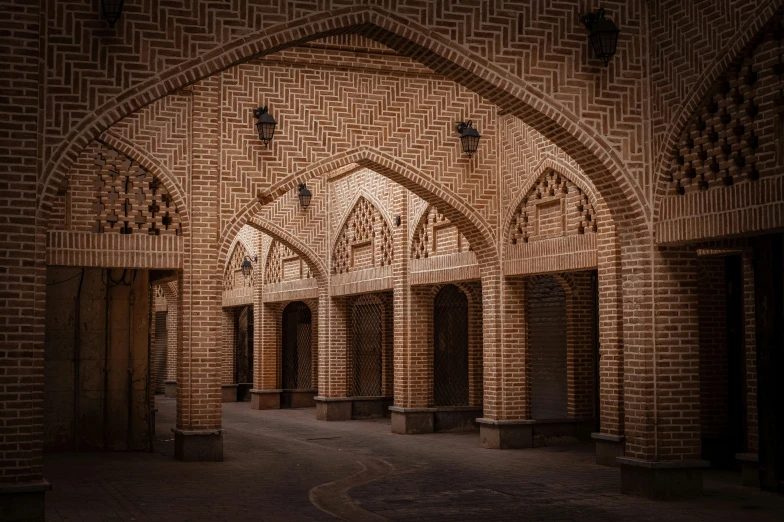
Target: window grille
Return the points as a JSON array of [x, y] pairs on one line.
[[296, 349], [243, 352], [367, 341]]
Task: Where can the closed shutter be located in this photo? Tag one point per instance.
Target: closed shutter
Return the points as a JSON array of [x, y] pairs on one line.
[[547, 345]]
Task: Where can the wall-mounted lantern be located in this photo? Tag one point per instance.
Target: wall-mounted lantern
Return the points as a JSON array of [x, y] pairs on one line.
[[111, 9], [603, 37], [247, 265], [397, 221], [265, 125], [304, 196], [469, 137]]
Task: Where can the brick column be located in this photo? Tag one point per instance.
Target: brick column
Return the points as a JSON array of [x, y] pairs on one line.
[[412, 377], [610, 439], [198, 435], [23, 269], [332, 353], [174, 332], [267, 333], [228, 386], [661, 378], [506, 420]]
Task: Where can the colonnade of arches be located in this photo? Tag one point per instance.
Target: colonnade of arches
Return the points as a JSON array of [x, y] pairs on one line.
[[563, 316]]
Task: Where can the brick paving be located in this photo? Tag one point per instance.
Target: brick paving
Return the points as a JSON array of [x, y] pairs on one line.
[[273, 459]]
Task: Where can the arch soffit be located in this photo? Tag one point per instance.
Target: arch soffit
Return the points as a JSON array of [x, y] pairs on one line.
[[408, 38], [316, 265], [451, 205]]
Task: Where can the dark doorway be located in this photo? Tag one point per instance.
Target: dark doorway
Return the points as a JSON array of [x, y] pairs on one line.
[[769, 301], [366, 335], [736, 357], [547, 348], [243, 352], [450, 347], [296, 349], [722, 360]]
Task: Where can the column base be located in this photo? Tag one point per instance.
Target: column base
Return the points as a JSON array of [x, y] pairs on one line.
[[23, 502], [198, 445], [170, 389], [333, 408], [298, 398], [662, 480], [229, 393], [370, 407], [749, 466], [265, 399], [609, 448], [506, 434], [412, 421]]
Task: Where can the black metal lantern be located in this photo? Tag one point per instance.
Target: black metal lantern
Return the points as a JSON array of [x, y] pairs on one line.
[[469, 137], [304, 196], [112, 9], [265, 125], [603, 37], [247, 267]]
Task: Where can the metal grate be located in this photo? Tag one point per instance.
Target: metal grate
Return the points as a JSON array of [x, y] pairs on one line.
[[243, 352], [296, 349], [366, 335], [161, 350], [450, 347]]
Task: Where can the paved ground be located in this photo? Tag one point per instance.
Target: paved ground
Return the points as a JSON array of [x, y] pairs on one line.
[[281, 464]]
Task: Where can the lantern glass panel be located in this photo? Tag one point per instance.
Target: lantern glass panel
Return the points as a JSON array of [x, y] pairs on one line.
[[112, 9], [470, 144]]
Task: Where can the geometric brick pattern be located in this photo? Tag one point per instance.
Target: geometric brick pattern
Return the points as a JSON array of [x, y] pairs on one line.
[[365, 240], [436, 235], [146, 85], [233, 277], [553, 207]]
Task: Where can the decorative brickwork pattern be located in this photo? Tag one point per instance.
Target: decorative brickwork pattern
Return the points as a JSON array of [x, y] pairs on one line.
[[233, 277], [436, 235], [365, 240], [128, 199], [553, 207], [284, 265]]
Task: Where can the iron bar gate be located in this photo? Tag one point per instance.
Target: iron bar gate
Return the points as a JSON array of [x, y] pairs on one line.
[[296, 349], [367, 341]]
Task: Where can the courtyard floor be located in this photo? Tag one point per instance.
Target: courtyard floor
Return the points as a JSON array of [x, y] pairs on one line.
[[284, 465]]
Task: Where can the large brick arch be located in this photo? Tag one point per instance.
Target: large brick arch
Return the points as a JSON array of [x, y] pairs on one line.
[[595, 156], [476, 229], [753, 30]]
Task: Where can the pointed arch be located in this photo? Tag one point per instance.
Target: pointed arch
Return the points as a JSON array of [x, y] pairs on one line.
[[549, 116]]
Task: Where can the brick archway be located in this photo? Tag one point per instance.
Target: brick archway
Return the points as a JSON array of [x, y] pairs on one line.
[[550, 117], [476, 229]]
